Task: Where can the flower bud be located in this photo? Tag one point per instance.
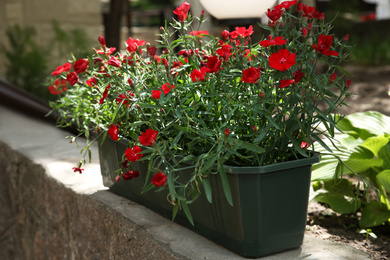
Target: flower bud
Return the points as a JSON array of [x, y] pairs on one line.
[[332, 77], [165, 62], [225, 34], [130, 81], [227, 132], [304, 32], [348, 83], [102, 41]]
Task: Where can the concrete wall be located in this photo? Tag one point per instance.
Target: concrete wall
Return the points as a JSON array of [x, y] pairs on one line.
[[71, 14]]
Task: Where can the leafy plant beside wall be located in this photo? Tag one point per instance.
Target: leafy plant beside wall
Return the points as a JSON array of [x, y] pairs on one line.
[[364, 150], [28, 63]]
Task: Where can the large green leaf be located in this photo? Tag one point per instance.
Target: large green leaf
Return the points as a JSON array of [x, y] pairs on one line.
[[366, 124], [361, 160], [375, 144], [384, 179], [339, 196], [338, 202], [374, 214], [384, 154]]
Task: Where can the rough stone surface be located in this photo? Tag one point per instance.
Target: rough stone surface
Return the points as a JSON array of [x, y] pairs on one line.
[[41, 219]]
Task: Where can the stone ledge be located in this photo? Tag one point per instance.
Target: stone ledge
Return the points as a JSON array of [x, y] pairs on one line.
[[49, 212]]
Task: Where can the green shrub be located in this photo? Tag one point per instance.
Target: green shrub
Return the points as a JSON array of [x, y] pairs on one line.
[[28, 63], [361, 162]]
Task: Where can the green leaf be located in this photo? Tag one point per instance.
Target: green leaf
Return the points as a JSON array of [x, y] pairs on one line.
[[361, 160], [384, 179], [338, 202], [339, 196], [366, 124], [207, 189], [187, 211], [149, 105], [374, 144], [374, 214], [249, 146], [147, 188], [174, 211], [177, 138], [210, 163], [225, 183], [171, 185], [384, 154], [206, 132]]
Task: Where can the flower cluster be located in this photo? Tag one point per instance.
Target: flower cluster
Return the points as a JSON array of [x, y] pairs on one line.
[[210, 100]]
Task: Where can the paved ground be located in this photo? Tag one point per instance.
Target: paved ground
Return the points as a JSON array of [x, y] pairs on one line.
[[46, 145]]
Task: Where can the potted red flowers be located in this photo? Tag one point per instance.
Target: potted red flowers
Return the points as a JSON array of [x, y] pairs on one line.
[[220, 125]]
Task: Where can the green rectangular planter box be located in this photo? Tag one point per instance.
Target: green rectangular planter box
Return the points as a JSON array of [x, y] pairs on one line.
[[270, 202]]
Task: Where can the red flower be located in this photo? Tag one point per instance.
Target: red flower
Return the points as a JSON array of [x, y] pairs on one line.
[[58, 87], [72, 78], [91, 82], [225, 34], [324, 43], [165, 88], [287, 4], [298, 75], [113, 61], [133, 154], [165, 62], [130, 175], [251, 75], [224, 51], [107, 51], [105, 94], [304, 145], [307, 10], [227, 132], [197, 75], [186, 53], [133, 44], [175, 65], [80, 66], [113, 132], [130, 81], [332, 77], [182, 11], [62, 68], [152, 50], [271, 42], [77, 169], [348, 84], [102, 41], [282, 60], [125, 97], [243, 32], [148, 137], [285, 83], [304, 32], [274, 14], [213, 64], [159, 179], [199, 33]]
